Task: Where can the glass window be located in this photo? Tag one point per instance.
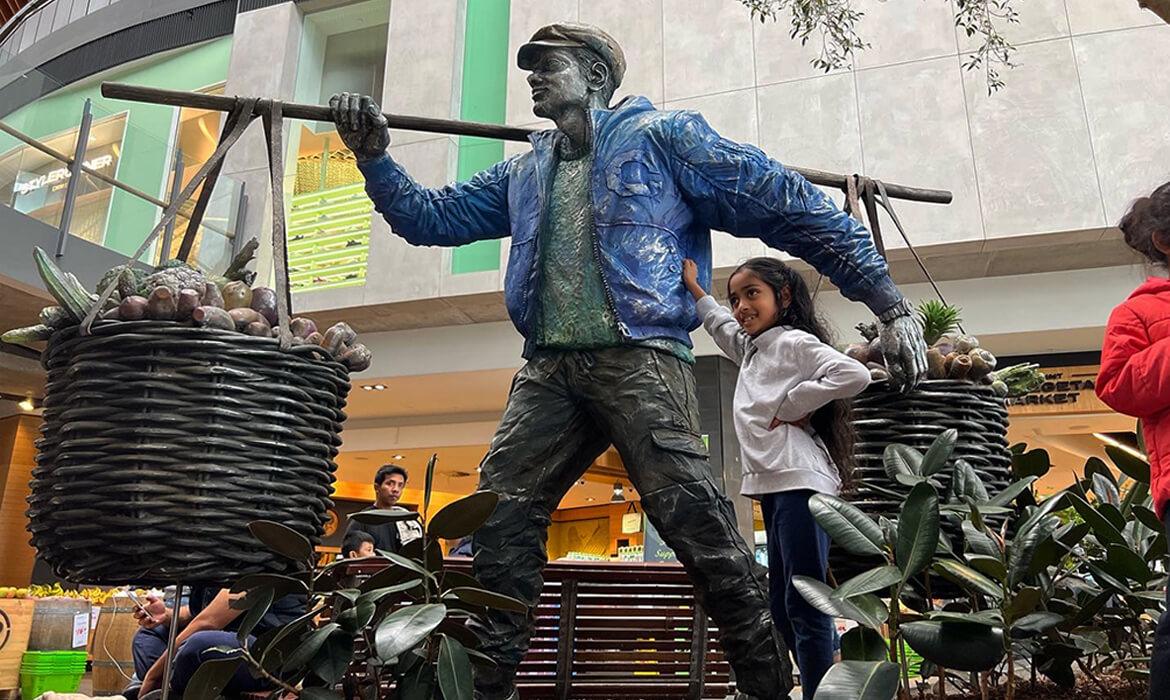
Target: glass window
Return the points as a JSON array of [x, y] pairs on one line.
[[34, 183]]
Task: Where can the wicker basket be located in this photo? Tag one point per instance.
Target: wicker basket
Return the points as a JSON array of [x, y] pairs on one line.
[[162, 441], [882, 416]]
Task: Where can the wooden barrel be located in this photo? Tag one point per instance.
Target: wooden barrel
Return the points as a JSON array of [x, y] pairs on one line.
[[15, 624], [113, 654], [53, 624]]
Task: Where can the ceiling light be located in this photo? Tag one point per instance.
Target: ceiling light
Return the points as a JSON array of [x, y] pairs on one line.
[[1121, 446], [590, 499], [380, 387], [27, 404], [367, 387], [618, 496], [399, 457]]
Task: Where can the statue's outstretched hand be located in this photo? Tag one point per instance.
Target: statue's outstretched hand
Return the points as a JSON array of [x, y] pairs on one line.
[[360, 124], [904, 351]]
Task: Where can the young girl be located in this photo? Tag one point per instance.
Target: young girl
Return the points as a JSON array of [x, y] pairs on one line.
[[792, 421], [1135, 374]]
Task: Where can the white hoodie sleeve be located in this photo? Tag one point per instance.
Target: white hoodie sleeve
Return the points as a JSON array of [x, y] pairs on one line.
[[726, 331], [828, 375]]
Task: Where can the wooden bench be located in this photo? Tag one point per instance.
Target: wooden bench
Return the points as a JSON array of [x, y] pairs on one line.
[[614, 630]]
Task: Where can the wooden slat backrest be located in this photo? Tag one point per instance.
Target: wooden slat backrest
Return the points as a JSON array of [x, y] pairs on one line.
[[614, 630]]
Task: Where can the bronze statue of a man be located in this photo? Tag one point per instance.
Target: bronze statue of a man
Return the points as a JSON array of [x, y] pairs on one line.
[[602, 212]]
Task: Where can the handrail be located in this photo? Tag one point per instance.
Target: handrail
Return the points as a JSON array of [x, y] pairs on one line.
[[68, 160], [20, 17]]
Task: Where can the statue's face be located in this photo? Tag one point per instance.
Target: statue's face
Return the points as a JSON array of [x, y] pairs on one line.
[[558, 84]]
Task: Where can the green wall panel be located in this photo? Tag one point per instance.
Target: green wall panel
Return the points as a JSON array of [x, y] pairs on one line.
[[484, 94], [144, 160]]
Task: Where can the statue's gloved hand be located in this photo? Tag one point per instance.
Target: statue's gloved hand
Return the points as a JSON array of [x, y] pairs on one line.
[[904, 351], [360, 124]]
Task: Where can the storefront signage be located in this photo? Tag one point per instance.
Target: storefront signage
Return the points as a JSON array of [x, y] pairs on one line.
[[60, 174], [1067, 390], [654, 549]]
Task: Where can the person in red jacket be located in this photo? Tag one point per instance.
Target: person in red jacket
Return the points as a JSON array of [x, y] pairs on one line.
[[1135, 375]]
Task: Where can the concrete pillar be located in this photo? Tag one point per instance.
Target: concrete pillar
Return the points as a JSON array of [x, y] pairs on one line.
[[715, 386], [265, 55]]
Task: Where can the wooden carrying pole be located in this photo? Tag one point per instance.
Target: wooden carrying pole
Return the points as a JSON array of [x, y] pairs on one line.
[[195, 100]]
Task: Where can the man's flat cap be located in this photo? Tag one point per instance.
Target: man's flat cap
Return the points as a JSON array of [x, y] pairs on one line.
[[568, 35]]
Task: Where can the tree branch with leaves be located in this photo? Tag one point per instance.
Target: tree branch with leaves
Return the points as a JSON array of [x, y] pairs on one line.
[[835, 22]]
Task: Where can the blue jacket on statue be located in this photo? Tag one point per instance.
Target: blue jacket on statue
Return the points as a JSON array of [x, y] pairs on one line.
[[661, 181]]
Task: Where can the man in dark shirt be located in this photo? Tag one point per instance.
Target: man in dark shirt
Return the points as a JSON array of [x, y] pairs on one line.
[[209, 625], [389, 483]]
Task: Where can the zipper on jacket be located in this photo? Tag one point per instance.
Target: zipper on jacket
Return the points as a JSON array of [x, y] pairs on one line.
[[543, 184], [622, 329]]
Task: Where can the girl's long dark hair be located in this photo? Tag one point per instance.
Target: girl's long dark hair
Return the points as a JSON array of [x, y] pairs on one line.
[[832, 422]]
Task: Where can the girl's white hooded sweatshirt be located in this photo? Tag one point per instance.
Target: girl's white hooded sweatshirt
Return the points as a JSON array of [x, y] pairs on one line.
[[786, 374]]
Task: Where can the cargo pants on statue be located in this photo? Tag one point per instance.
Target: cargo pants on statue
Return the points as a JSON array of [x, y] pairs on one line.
[[565, 408]]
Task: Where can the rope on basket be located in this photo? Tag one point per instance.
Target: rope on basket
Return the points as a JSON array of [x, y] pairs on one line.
[[238, 119]]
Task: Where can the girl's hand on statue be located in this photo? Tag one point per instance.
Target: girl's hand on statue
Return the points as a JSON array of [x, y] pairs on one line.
[[690, 275]]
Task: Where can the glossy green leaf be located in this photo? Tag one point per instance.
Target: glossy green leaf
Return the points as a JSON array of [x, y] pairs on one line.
[[939, 453], [965, 483], [334, 657], [282, 539], [1131, 466], [1024, 601], [1035, 463], [418, 683], [847, 525], [402, 629], [454, 670], [489, 599], [354, 619], [1085, 612], [956, 645], [460, 518], [1011, 492], [1147, 517], [1102, 527], [859, 680], [1036, 623], [992, 567], [478, 658], [979, 541], [821, 597], [991, 617], [376, 595], [382, 516], [281, 585], [918, 528], [260, 600], [456, 628], [968, 578], [1106, 579], [1128, 563], [911, 480], [864, 644], [301, 656], [430, 483], [901, 459], [1106, 491], [879, 579], [1056, 501], [295, 630], [1023, 547], [212, 676], [413, 568]]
